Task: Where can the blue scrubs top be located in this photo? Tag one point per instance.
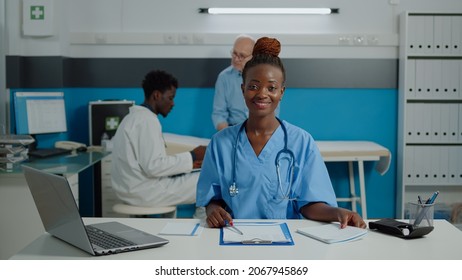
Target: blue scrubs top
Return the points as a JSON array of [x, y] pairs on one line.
[[228, 101], [260, 196]]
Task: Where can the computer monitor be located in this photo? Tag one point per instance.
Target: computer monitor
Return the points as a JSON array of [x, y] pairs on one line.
[[39, 112]]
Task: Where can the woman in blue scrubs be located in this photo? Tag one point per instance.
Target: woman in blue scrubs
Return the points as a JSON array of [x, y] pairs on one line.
[[265, 168]]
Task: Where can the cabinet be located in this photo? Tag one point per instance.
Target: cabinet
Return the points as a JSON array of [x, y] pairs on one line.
[[430, 108], [108, 196], [104, 119]]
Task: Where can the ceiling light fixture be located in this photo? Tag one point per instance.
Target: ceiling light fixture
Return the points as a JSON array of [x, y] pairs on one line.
[[269, 11]]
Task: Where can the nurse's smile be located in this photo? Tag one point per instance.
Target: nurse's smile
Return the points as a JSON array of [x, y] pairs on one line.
[[262, 104]]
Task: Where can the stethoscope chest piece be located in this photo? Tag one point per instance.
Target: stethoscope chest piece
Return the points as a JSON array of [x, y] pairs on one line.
[[233, 190]]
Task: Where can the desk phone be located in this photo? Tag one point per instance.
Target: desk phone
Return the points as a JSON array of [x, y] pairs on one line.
[[69, 145]]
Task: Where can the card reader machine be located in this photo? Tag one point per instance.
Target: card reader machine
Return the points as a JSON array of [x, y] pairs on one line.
[[400, 229]]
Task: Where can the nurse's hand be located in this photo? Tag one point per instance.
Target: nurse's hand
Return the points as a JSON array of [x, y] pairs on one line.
[[350, 218], [217, 215], [320, 211]]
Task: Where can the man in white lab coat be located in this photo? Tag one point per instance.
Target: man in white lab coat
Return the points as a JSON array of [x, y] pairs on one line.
[[142, 172]]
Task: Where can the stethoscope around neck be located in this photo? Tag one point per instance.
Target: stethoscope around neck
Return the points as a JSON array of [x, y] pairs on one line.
[[283, 154]]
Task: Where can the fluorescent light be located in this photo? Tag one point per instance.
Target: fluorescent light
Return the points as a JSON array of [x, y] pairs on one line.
[[268, 11]]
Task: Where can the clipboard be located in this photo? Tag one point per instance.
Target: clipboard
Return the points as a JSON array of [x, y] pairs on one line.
[[248, 239]]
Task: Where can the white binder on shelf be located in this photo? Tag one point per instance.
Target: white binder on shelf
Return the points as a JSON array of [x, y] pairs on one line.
[[413, 27], [434, 159], [416, 165], [456, 36], [453, 79], [455, 164], [444, 164], [428, 43], [428, 90], [427, 165], [409, 166], [426, 122], [437, 79], [419, 165], [459, 163], [442, 35], [410, 131], [420, 78], [454, 122], [445, 122], [460, 79], [419, 112], [417, 28], [445, 78], [459, 123], [438, 34], [411, 81], [435, 114]]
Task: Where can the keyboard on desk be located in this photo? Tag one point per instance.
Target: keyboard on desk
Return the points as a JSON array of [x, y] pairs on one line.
[[106, 240], [44, 153]]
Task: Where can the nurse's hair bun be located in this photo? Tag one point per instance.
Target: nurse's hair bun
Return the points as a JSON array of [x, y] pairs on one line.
[[267, 46]]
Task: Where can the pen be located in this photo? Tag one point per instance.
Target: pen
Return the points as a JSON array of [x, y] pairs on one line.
[[233, 227], [432, 199], [419, 199]]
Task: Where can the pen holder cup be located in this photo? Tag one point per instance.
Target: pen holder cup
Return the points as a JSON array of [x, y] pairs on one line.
[[421, 214]]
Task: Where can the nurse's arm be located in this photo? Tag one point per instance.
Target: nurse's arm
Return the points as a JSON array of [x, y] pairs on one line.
[[320, 211], [217, 215]]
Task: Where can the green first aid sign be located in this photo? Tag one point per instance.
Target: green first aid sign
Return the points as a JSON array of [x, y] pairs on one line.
[[112, 123], [37, 12]]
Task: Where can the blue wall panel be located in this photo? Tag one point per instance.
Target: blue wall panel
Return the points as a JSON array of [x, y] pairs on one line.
[[328, 114], [351, 114]]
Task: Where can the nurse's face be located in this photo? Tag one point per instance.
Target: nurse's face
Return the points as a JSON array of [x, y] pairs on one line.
[[164, 101], [263, 89]]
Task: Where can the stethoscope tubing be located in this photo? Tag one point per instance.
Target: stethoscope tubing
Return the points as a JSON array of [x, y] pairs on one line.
[[233, 189]]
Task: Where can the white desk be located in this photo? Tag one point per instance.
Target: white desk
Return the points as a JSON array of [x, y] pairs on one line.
[[356, 151], [20, 221], [443, 243], [331, 151]]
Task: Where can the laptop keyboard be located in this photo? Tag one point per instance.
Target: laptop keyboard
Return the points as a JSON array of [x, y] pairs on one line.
[[106, 240]]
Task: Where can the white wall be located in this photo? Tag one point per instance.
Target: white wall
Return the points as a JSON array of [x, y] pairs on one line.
[[144, 28]]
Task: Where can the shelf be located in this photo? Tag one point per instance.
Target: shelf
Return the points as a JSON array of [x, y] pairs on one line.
[[408, 143], [434, 100], [434, 56], [432, 185], [430, 107]]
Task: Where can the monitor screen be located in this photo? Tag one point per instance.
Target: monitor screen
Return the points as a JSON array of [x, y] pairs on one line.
[[39, 112]]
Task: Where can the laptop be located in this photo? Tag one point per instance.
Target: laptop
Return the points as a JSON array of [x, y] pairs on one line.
[[61, 218]]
